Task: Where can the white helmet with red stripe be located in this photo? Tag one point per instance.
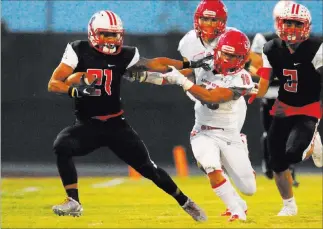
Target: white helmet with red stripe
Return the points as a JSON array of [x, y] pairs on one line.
[[280, 6], [105, 32], [293, 12]]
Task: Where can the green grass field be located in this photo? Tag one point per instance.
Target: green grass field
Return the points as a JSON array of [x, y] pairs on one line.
[[27, 202]]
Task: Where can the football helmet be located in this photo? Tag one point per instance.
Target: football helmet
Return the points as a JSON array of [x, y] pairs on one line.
[[291, 32], [210, 19], [105, 32], [231, 52], [280, 6]]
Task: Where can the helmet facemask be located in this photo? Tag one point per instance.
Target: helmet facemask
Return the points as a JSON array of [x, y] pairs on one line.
[[210, 27], [106, 33], [227, 62], [292, 30]]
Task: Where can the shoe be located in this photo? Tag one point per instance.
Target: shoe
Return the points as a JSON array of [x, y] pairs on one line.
[[267, 172], [288, 211], [68, 207], [195, 211], [317, 155], [243, 205], [238, 215]]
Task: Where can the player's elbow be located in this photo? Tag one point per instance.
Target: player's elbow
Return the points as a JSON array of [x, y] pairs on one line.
[[51, 86]]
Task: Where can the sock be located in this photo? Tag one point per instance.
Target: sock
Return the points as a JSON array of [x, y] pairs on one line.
[[180, 197], [235, 193], [225, 192], [289, 202], [74, 193]]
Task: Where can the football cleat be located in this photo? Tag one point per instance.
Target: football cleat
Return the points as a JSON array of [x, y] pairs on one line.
[[317, 155], [195, 211], [68, 207], [288, 211], [243, 205], [238, 215]]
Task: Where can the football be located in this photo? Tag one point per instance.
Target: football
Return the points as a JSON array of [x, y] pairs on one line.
[[75, 78]]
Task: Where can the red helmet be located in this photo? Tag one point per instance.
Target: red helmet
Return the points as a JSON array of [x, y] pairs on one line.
[[293, 12], [110, 23], [210, 9], [231, 52]]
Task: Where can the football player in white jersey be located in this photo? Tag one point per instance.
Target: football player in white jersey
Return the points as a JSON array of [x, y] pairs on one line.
[[215, 137], [209, 23]]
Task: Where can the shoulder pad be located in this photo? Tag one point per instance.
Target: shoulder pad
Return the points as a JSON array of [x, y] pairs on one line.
[[186, 38]]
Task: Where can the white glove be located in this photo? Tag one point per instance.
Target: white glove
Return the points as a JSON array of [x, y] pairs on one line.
[[175, 77], [254, 90]]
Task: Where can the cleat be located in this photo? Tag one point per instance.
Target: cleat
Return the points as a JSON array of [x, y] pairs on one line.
[[238, 216], [195, 211], [68, 207], [288, 211], [317, 155], [243, 205]]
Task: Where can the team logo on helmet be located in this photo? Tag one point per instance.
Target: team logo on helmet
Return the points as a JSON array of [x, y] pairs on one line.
[[209, 13]]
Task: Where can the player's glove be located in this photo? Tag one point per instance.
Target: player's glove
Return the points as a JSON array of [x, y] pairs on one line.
[[253, 94], [175, 77], [201, 63], [83, 89], [139, 76]]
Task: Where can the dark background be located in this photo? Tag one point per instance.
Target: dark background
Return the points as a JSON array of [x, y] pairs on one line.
[[31, 117]]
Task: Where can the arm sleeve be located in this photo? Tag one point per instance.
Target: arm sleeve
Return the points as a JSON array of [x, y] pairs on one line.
[[135, 58], [258, 43], [70, 57], [318, 58], [265, 61]]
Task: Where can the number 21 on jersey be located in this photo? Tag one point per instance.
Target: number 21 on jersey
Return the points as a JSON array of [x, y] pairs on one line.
[[99, 73], [292, 82]]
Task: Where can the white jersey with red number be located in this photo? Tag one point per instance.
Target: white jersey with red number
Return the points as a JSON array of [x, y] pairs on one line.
[[192, 48], [228, 114]]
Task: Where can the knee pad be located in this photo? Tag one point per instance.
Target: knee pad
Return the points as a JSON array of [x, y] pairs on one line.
[[64, 146]]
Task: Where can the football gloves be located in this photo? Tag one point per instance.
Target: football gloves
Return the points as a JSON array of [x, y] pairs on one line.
[[83, 89], [201, 63]]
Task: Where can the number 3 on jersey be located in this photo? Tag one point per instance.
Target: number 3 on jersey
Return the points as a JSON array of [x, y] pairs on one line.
[[99, 73], [291, 84]]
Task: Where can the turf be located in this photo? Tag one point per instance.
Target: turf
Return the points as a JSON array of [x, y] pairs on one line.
[[27, 202]]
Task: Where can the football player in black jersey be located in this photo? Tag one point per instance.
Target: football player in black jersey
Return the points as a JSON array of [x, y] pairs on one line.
[[267, 102], [296, 60], [99, 115]]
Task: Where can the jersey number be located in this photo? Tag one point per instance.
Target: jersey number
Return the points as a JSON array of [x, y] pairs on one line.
[[291, 84], [99, 73], [245, 79]]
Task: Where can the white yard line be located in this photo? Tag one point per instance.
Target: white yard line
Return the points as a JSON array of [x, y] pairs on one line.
[[29, 189], [110, 183]]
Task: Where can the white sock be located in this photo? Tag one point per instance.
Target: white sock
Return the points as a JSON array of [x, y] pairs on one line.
[[289, 202], [225, 192], [235, 193]]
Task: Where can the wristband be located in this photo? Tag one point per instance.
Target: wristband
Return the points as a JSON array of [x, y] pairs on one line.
[[186, 64], [187, 84], [72, 91]]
